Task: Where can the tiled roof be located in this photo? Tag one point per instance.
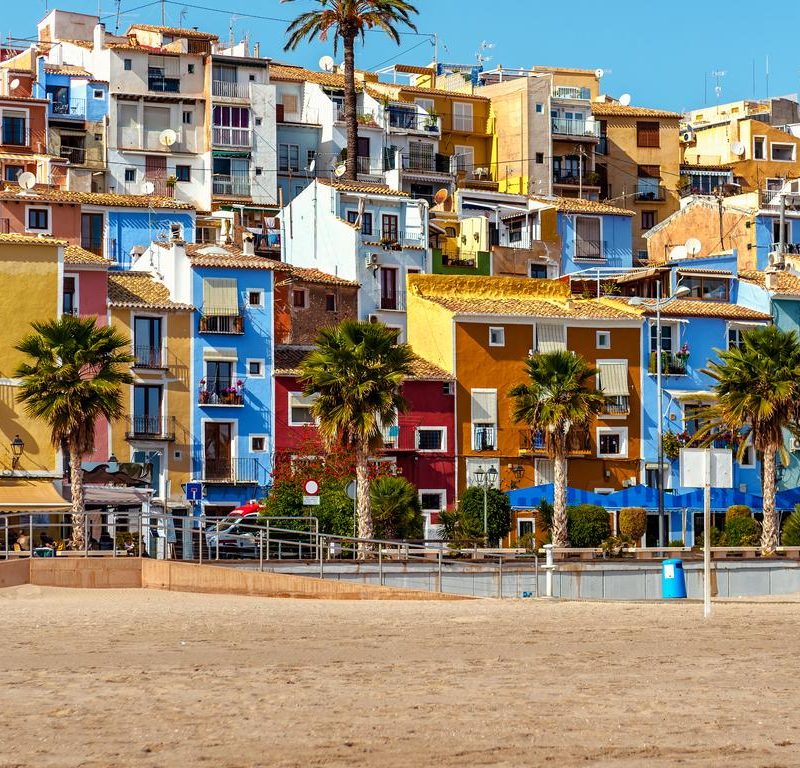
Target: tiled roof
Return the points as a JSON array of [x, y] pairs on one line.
[[548, 68], [362, 186], [788, 283], [579, 205], [14, 238], [49, 194], [135, 290], [174, 31], [706, 271], [608, 109], [301, 75], [80, 43], [697, 308], [74, 254], [575, 309], [418, 90], [231, 257], [66, 69], [310, 275], [422, 370]]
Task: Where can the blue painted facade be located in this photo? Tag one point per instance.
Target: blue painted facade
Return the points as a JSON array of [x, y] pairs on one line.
[[766, 235], [616, 234], [221, 361], [130, 227], [72, 97], [306, 138]]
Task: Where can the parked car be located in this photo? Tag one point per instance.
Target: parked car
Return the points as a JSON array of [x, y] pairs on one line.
[[235, 532]]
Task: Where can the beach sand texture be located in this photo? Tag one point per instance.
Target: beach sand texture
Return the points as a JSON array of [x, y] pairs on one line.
[[147, 678]]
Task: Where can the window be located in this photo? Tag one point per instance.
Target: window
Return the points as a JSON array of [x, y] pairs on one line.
[[666, 338], [92, 232], [465, 158], [12, 172], [183, 172], [366, 221], [258, 121], [497, 337], [389, 227], [539, 108], [648, 219], [258, 443], [462, 116], [431, 501], [526, 526], [127, 64], [330, 302], [537, 271], [255, 298], [148, 342], [784, 153], [612, 442], [69, 305], [612, 381], [431, 438], [311, 157], [39, 219], [647, 134], [588, 237], [759, 147], [706, 288], [748, 457], [551, 338], [289, 103], [426, 105], [648, 183], [130, 174], [147, 410], [641, 255], [735, 337], [539, 158], [300, 409], [483, 408], [251, 78], [776, 231], [603, 340], [299, 298], [187, 117], [288, 157], [190, 69], [15, 128], [98, 94], [255, 369], [481, 464]]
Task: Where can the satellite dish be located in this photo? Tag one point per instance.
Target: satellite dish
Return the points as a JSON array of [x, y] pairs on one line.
[[625, 99], [693, 246], [167, 137], [26, 181], [327, 64], [598, 73], [677, 253], [738, 148], [440, 196], [340, 170], [14, 84], [148, 187]]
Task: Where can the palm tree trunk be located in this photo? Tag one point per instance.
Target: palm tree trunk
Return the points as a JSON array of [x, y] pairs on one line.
[[363, 507], [78, 506], [350, 116], [769, 529], [560, 494]]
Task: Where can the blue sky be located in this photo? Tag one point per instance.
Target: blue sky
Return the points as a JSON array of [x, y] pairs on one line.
[[664, 56]]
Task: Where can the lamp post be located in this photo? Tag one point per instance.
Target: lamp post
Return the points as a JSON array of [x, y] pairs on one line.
[[17, 447], [485, 479]]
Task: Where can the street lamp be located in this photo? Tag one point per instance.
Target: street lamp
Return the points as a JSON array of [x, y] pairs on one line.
[[17, 447], [485, 479], [660, 303]]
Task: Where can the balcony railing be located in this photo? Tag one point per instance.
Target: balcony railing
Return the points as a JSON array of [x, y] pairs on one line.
[[232, 137], [771, 198], [76, 155], [227, 90], [671, 364], [617, 406], [74, 109], [590, 250], [427, 163], [159, 83], [572, 178], [233, 471], [153, 358], [651, 193], [160, 186], [602, 146], [399, 438], [221, 321], [221, 391], [391, 301], [407, 120], [393, 239], [484, 437], [235, 184], [455, 257], [369, 167], [151, 428], [571, 92], [533, 441], [567, 126]]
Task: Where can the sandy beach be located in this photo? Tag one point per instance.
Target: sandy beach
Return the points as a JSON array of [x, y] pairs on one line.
[[145, 678]]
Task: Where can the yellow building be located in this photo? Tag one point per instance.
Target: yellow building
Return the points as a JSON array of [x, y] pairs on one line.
[[156, 430], [638, 164], [31, 276]]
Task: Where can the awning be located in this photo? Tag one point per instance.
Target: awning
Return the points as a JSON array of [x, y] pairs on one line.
[[220, 353], [688, 395], [551, 338], [24, 495], [613, 378], [112, 496], [642, 274]]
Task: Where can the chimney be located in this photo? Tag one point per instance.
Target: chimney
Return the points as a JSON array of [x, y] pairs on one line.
[[248, 246], [771, 279], [99, 37], [257, 50]]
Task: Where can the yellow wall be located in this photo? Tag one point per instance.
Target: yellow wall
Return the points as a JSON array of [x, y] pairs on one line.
[[430, 330], [29, 290]]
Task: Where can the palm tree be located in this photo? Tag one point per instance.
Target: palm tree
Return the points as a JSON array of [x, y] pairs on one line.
[[357, 372], [348, 20], [758, 397], [395, 507], [558, 397], [73, 378]]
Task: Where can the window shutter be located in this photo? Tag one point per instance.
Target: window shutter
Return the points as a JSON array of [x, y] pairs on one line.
[[649, 171], [289, 103], [613, 378], [647, 134], [587, 238], [551, 338], [484, 406], [220, 296]]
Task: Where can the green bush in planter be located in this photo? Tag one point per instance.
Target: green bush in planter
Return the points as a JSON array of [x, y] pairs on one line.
[[587, 525], [675, 543], [737, 511], [742, 532], [633, 522], [790, 537]]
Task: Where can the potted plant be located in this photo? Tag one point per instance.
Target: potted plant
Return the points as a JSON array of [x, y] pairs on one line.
[[171, 181], [203, 392], [432, 122]]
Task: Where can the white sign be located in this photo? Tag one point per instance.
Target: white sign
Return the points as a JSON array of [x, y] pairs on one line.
[[311, 488], [693, 467], [310, 501]]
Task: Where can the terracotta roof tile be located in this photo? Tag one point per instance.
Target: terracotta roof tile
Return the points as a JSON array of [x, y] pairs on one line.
[[575, 309], [74, 254], [399, 89], [14, 238], [425, 371], [697, 308], [362, 186], [66, 69], [788, 284], [174, 31], [579, 205], [608, 109], [231, 257], [301, 75], [310, 275], [80, 43], [138, 290], [53, 195]]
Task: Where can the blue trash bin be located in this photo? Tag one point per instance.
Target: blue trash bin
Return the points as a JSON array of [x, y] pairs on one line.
[[673, 581]]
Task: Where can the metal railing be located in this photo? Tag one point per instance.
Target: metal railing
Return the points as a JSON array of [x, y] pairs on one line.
[[149, 357], [566, 126], [235, 184], [671, 363], [393, 237], [232, 137], [368, 166], [655, 193], [75, 155], [219, 321], [617, 406], [428, 163], [395, 301], [408, 120], [233, 471], [151, 428], [221, 391], [572, 178], [533, 441], [484, 437], [161, 84], [74, 109], [227, 90], [571, 92], [400, 437]]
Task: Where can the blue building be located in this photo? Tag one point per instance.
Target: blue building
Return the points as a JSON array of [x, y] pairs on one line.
[[128, 227], [298, 158], [232, 360]]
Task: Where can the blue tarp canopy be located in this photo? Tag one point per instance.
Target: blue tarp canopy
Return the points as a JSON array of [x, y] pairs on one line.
[[527, 498]]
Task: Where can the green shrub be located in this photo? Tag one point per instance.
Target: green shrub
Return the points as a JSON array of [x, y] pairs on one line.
[[633, 522], [791, 529], [742, 532], [546, 515], [716, 539], [587, 525], [613, 545], [527, 542], [675, 543], [395, 509], [737, 511], [465, 523]]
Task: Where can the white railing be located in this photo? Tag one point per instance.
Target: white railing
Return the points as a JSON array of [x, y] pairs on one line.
[[232, 137], [228, 90]]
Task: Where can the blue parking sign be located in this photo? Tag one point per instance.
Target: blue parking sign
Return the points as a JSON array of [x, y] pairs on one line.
[[194, 491]]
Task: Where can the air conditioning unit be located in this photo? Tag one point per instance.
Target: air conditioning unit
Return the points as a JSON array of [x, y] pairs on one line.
[[481, 173], [374, 319], [371, 260], [687, 136]]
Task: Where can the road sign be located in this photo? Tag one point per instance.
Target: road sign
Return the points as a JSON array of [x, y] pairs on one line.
[[352, 487], [310, 501], [194, 491], [311, 493]]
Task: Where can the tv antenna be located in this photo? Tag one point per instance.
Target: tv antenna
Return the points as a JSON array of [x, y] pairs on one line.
[[26, 181], [167, 137], [718, 74], [625, 99], [327, 64], [479, 56]]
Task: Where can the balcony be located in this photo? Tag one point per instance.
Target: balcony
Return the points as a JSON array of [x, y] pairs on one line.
[[226, 90], [74, 109], [151, 428], [390, 302], [484, 437], [76, 155], [232, 137], [571, 92], [617, 406], [366, 166], [651, 193], [222, 321], [234, 184], [139, 139], [671, 364], [419, 122], [572, 179], [533, 442], [565, 126], [427, 164], [399, 438], [19, 135], [150, 358], [221, 391], [233, 471], [590, 250], [164, 78], [393, 239]]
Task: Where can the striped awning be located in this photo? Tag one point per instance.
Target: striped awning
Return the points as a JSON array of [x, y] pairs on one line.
[[551, 338], [29, 495], [613, 378]]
